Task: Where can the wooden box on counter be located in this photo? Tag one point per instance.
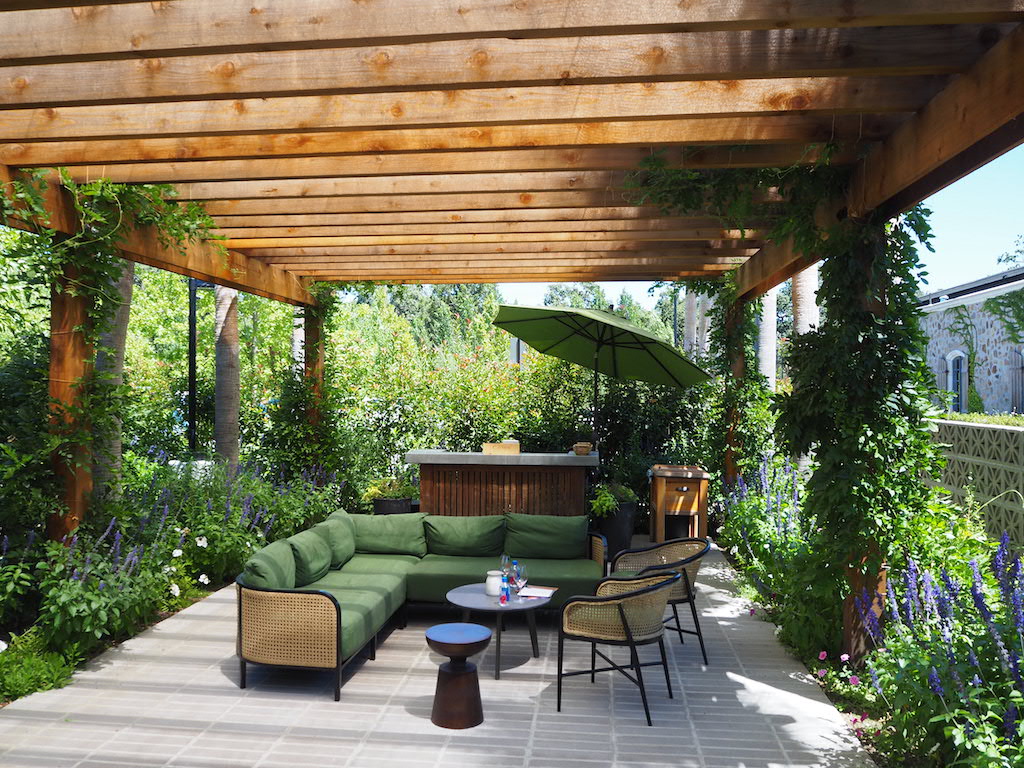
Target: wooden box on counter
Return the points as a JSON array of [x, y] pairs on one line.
[[679, 491]]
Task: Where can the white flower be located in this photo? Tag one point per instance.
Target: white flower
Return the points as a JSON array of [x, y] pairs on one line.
[[204, 579], [175, 590], [201, 542], [176, 553], [169, 569], [3, 646]]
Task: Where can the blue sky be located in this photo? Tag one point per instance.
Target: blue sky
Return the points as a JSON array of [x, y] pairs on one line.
[[974, 220]]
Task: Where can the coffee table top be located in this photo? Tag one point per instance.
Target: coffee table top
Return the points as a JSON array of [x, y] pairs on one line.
[[473, 597]]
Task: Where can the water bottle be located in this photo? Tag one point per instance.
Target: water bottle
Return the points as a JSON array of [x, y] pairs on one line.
[[504, 597]]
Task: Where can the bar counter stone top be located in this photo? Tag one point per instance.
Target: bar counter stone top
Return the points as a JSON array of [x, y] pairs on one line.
[[568, 459]]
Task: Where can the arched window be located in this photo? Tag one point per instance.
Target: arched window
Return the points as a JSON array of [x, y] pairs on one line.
[[956, 380]]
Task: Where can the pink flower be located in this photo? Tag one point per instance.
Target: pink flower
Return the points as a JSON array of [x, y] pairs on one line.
[[822, 656], [845, 657], [753, 611], [854, 680], [821, 673]]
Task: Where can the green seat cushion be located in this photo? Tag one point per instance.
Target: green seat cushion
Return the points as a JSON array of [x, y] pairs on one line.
[[362, 613], [549, 537], [390, 534], [399, 565], [389, 587], [339, 533], [481, 536], [572, 577], [434, 575], [272, 567], [312, 556]]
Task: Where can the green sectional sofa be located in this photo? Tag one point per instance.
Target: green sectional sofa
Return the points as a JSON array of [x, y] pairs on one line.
[[320, 597]]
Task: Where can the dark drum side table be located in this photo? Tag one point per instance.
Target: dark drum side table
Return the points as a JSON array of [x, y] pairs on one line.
[[472, 597], [457, 695]]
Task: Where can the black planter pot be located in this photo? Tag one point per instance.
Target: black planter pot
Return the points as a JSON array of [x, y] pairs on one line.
[[392, 506], [617, 528]]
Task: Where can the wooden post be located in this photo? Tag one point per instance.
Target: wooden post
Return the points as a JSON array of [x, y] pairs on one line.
[[227, 392], [313, 358], [70, 362]]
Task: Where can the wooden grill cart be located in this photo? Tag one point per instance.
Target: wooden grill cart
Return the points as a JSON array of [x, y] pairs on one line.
[[679, 495]]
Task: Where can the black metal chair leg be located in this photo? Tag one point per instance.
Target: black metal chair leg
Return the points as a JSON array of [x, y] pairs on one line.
[[337, 682], [593, 660], [561, 646], [696, 624], [640, 681], [679, 626], [664, 664], [373, 648], [241, 670], [403, 617]]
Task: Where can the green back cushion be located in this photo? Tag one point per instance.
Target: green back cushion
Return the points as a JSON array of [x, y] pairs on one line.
[[390, 534], [273, 567], [312, 557], [546, 536], [339, 534], [466, 536]]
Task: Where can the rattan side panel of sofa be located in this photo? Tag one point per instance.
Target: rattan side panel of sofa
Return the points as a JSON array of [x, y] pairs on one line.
[[292, 629]]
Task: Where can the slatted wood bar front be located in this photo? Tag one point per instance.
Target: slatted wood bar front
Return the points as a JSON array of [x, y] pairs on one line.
[[473, 484]]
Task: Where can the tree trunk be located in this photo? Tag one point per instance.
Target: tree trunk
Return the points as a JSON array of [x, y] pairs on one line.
[[703, 341], [690, 322], [106, 467], [298, 338], [226, 390], [805, 300], [767, 337]]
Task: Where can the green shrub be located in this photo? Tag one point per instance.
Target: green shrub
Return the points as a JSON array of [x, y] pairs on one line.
[[26, 666], [1003, 419]]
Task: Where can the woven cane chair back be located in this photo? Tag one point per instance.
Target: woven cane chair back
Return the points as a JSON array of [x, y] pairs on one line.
[[642, 600], [677, 555], [295, 629]]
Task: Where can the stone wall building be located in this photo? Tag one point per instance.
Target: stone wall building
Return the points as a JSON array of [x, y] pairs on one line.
[[976, 355]]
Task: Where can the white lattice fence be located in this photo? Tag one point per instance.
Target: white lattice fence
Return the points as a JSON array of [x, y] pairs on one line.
[[989, 459]]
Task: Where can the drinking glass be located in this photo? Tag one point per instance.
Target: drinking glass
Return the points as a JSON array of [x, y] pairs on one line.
[[520, 577], [506, 563]]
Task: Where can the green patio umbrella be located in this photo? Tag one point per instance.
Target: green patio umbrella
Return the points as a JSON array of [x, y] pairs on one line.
[[601, 341]]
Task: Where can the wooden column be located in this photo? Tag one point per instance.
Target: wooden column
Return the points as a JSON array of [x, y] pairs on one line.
[[70, 362], [313, 358]]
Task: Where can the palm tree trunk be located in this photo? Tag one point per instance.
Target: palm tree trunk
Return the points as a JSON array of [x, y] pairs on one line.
[[703, 340], [767, 337], [690, 322], [106, 457], [805, 300], [226, 389]]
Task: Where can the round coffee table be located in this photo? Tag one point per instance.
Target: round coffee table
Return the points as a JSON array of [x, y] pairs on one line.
[[457, 695], [471, 597]]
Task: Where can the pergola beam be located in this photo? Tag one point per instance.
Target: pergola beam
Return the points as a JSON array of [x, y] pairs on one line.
[[536, 104], [200, 259], [448, 64], [131, 30], [286, 257], [976, 118], [792, 128], [554, 159]]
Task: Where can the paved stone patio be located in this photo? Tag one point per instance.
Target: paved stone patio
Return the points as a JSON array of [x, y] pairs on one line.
[[169, 697]]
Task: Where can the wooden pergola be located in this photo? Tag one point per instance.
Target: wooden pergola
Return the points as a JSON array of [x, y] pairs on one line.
[[466, 141]]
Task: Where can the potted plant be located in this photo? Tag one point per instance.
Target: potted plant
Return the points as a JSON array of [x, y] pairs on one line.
[[613, 510], [391, 495]]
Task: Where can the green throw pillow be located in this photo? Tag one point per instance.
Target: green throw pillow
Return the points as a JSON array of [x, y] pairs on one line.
[[465, 536], [273, 567], [339, 533], [390, 534], [550, 537], [312, 557]]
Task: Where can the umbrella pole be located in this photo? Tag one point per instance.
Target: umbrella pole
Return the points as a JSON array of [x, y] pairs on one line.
[[593, 421]]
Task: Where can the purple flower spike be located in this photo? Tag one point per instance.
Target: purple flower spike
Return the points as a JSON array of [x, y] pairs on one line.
[[110, 527], [875, 681], [1010, 723], [115, 549], [935, 683]]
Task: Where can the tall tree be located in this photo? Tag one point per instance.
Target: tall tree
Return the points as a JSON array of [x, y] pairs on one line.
[[690, 323], [767, 337], [227, 388], [106, 457], [805, 300]]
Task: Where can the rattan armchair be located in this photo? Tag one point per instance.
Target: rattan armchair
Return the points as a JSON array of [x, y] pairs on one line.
[[625, 612], [682, 556]]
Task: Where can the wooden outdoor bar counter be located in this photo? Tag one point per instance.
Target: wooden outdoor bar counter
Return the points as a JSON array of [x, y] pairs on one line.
[[470, 484]]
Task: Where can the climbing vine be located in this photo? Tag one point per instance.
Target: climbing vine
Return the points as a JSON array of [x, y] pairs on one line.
[[961, 325], [87, 263], [861, 389]]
